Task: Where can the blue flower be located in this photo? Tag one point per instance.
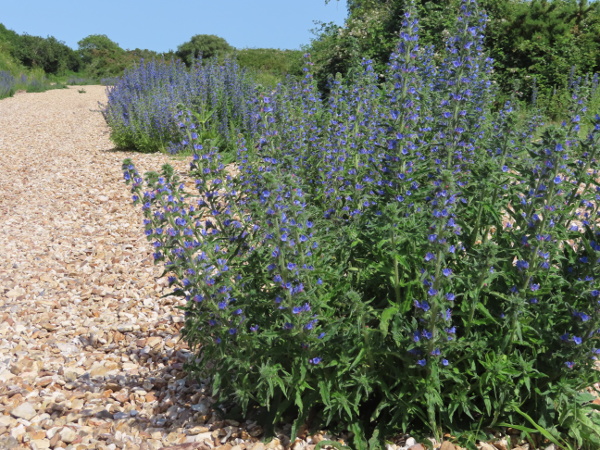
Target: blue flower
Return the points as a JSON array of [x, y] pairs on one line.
[[522, 265], [422, 362], [422, 305]]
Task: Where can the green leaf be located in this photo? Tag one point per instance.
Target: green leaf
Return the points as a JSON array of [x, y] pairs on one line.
[[334, 444], [481, 308], [324, 389], [544, 432], [386, 316]]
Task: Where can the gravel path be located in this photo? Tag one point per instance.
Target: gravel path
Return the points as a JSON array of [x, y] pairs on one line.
[[89, 354]]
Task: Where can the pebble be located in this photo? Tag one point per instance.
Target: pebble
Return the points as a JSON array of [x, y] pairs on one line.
[[24, 411]]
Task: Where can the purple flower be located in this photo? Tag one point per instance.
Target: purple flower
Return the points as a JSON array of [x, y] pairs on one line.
[[422, 362], [422, 305], [315, 360]]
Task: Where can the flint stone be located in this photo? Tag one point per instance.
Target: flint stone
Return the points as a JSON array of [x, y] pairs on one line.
[[7, 421], [24, 411], [40, 444], [67, 435]]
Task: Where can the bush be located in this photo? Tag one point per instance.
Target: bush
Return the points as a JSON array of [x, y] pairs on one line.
[[270, 66], [398, 257], [143, 104], [203, 46], [48, 54]]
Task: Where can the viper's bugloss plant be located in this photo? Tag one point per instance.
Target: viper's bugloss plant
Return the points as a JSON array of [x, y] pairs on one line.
[[142, 105], [7, 84], [396, 257]]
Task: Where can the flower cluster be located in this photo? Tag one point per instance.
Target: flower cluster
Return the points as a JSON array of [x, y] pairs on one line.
[[142, 105]]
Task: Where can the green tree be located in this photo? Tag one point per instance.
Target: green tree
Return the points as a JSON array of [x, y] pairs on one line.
[[202, 45], [49, 54], [101, 56], [96, 45]]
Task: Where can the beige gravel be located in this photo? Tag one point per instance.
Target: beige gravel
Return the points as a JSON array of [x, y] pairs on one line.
[[89, 354]]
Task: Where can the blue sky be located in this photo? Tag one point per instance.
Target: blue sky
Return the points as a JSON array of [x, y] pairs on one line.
[[162, 25]]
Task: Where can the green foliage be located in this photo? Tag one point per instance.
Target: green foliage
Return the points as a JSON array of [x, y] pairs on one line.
[[49, 54], [270, 66], [102, 57], [203, 46], [97, 43], [549, 41]]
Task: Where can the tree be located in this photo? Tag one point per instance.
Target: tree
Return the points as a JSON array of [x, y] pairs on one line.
[[202, 45], [96, 45], [49, 54], [101, 56]]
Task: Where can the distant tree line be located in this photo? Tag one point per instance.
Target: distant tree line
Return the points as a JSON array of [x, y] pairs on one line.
[[97, 56]]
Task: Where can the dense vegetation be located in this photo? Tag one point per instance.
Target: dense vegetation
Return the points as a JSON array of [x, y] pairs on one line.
[[143, 105], [399, 255], [545, 40]]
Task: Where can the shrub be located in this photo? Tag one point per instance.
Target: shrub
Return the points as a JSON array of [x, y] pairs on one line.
[[397, 257], [142, 105], [203, 46], [48, 54], [270, 66]]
